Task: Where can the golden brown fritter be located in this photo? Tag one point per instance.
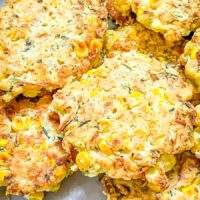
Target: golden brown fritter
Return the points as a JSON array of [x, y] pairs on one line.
[[145, 41], [122, 116], [173, 18], [184, 184], [191, 59], [120, 11], [31, 156], [39, 51]]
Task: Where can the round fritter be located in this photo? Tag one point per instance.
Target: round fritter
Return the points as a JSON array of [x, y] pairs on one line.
[[138, 37], [191, 59], [32, 159], [39, 51], [120, 11], [123, 115], [184, 183], [173, 18]]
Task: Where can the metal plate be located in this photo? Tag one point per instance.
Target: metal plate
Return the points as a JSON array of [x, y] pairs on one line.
[[76, 187]]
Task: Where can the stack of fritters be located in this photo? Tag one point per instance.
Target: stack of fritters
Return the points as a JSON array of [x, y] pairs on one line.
[[123, 103]]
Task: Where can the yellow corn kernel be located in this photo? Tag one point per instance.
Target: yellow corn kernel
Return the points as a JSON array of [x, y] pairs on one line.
[[20, 123], [96, 46], [85, 82], [3, 163], [153, 4], [105, 124], [197, 109], [167, 162], [158, 93], [36, 196], [3, 183], [155, 188], [16, 35], [61, 172], [31, 93], [140, 133], [191, 71], [151, 174], [127, 145], [55, 188], [190, 190], [93, 93], [92, 20], [104, 147], [28, 19], [196, 147], [4, 155], [80, 49], [3, 174], [123, 6], [3, 142], [136, 99], [141, 10], [197, 181], [83, 160], [193, 53]]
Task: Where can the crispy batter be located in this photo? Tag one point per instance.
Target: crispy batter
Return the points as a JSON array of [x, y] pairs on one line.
[[184, 184], [39, 51], [120, 11], [191, 59], [120, 118], [32, 159], [143, 40], [173, 18]]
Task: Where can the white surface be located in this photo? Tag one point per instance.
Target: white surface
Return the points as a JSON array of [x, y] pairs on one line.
[[76, 187]]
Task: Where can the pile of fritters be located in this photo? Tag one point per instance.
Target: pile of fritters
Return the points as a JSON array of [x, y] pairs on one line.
[[123, 103]]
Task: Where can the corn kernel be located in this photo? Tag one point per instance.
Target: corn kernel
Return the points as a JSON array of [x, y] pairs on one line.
[[104, 147], [96, 46], [83, 160], [153, 4], [191, 71], [193, 53], [155, 188], [36, 196], [140, 133], [151, 174], [189, 190], [197, 109], [3, 183], [141, 10], [16, 35], [167, 162], [197, 181], [4, 155], [31, 93], [3, 174], [28, 19], [93, 93], [3, 142], [3, 163], [85, 82], [24, 123], [123, 6], [196, 147], [105, 124], [92, 20], [61, 172], [136, 99], [81, 49], [158, 93]]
